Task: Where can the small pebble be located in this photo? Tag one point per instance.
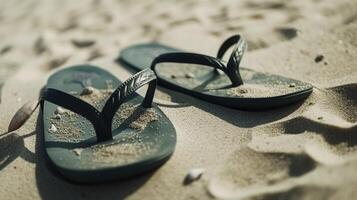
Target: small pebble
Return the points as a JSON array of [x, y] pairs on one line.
[[22, 115], [319, 58], [57, 116], [87, 90], [243, 91], [73, 92], [292, 85], [173, 76], [59, 110], [109, 84], [189, 75], [53, 128], [193, 175]]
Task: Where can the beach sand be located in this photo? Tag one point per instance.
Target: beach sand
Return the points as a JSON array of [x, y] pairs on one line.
[[303, 151]]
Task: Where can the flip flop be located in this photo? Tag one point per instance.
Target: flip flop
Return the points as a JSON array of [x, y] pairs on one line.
[[214, 80], [93, 133]]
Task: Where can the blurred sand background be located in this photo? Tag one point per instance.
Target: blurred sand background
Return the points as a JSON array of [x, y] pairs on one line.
[[304, 151]]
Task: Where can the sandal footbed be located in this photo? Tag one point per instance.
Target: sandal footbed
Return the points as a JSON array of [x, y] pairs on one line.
[[259, 91], [159, 136]]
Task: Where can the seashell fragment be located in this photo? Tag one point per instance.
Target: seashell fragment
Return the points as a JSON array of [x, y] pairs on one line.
[[87, 90], [243, 91], [59, 110], [22, 115], [73, 92], [193, 175], [189, 75], [77, 151], [53, 128], [109, 84], [57, 116]]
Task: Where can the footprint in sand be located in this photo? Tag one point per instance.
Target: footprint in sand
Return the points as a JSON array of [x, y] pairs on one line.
[[271, 24], [268, 25], [285, 167], [250, 173], [297, 158]]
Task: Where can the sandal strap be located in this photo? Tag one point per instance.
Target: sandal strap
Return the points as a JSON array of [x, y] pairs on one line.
[[77, 106], [231, 69], [126, 89], [236, 56], [193, 58], [102, 121]]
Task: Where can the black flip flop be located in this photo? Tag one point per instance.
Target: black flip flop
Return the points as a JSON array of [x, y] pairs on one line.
[[200, 76], [129, 136]]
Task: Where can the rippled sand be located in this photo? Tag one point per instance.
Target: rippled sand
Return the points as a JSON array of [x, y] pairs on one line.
[[304, 151]]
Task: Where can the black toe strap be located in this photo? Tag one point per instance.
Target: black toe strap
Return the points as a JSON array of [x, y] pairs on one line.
[[102, 121], [193, 58], [77, 106], [231, 69], [126, 89], [236, 56], [239, 47]]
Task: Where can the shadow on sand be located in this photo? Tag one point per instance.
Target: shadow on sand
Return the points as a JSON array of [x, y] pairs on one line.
[[239, 118], [12, 146]]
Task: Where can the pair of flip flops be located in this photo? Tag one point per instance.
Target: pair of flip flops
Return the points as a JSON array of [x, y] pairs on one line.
[[97, 128]]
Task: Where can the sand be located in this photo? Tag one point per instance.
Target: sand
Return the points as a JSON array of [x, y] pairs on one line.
[[303, 151]]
